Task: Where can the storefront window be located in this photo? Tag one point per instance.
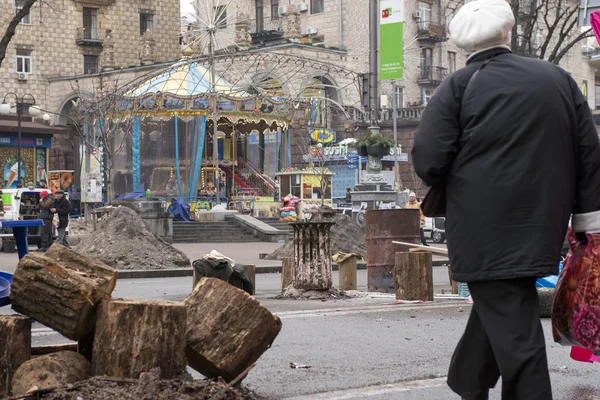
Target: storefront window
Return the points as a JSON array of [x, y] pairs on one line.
[[295, 186]]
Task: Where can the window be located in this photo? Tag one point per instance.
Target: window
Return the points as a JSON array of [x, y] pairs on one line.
[[426, 58], [221, 17], [425, 11], [260, 15], [90, 65], [90, 23], [317, 6], [18, 7], [146, 23], [274, 9], [451, 62], [24, 61], [400, 97]]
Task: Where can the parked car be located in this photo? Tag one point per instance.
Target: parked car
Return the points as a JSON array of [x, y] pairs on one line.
[[435, 228]]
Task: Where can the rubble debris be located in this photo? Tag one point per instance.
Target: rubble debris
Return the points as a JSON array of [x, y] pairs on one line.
[[61, 289], [290, 292], [15, 347], [134, 336], [124, 242], [227, 329], [345, 236], [50, 371], [149, 386], [294, 365]]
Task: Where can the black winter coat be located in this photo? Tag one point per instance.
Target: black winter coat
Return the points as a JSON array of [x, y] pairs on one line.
[[518, 155], [63, 208]]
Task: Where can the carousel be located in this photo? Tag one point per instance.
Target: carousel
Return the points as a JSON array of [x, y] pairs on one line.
[[197, 136]]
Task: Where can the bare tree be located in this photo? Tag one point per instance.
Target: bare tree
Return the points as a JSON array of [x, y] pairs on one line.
[[11, 29], [107, 120], [545, 29]]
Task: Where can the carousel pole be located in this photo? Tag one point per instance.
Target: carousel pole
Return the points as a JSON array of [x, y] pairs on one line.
[[234, 157], [211, 49]]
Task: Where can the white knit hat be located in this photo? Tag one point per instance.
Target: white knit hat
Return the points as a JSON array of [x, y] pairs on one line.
[[412, 194], [482, 24]]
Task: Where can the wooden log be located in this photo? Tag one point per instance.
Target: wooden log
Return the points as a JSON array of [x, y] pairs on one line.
[[252, 274], [135, 336], [413, 276], [51, 371], [63, 295], [287, 272], [52, 348], [227, 329], [453, 283], [347, 274], [15, 348]]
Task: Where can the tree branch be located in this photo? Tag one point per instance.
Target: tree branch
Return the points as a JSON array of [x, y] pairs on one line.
[[11, 29]]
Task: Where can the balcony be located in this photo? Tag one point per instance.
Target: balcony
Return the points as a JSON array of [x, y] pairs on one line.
[[430, 32], [266, 30], [99, 3], [88, 36], [432, 76], [593, 54]]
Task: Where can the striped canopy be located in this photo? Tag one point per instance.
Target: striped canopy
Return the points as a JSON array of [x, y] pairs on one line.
[[185, 79]]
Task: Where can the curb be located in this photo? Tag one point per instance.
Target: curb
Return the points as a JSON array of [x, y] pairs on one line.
[[186, 272]]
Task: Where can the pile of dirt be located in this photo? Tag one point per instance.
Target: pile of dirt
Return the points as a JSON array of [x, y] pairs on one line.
[[123, 241], [80, 227], [346, 237], [332, 294], [149, 386]]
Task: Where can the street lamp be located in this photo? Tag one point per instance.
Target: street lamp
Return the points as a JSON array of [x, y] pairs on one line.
[[23, 103]]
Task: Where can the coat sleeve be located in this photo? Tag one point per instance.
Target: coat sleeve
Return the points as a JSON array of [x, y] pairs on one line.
[[586, 210], [436, 140]]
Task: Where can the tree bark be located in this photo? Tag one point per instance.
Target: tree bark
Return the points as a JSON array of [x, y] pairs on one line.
[[51, 371], [136, 336], [287, 272], [413, 276], [227, 329], [63, 295], [15, 348]]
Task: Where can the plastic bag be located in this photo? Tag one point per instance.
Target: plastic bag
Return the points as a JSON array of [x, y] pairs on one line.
[[576, 309], [549, 282]]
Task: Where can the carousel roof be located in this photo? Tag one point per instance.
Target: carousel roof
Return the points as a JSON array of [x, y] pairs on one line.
[[185, 79]]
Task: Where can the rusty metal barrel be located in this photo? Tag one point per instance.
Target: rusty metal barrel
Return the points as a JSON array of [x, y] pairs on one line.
[[383, 227]]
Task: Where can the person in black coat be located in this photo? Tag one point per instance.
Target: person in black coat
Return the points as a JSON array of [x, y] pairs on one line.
[[62, 208], [513, 142]]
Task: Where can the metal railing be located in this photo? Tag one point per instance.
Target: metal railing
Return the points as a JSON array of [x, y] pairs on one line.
[[591, 52], [430, 29], [266, 24], [88, 34], [433, 74]]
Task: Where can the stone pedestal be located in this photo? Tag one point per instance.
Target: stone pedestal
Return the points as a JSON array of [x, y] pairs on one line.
[[312, 255]]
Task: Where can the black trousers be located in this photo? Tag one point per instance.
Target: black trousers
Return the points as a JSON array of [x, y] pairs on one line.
[[422, 233], [46, 234], [503, 337]]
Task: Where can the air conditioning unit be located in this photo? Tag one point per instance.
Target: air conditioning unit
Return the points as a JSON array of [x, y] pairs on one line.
[[310, 31], [283, 10], [302, 7], [417, 15], [22, 77], [384, 101]]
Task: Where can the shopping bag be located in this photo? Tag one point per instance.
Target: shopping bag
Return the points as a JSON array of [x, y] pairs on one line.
[[576, 306], [583, 355]]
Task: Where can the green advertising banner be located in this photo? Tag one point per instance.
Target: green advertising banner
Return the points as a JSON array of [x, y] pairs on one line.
[[391, 39]]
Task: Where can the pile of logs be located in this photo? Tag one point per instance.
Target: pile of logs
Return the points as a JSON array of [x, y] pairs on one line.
[[219, 330]]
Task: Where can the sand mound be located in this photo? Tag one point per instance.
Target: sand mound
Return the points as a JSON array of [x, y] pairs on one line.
[[123, 241]]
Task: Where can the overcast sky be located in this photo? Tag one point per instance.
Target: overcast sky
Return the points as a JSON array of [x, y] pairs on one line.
[[186, 9]]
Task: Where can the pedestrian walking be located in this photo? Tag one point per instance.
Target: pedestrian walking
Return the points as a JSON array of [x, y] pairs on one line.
[[415, 205], [62, 208], [513, 143], [46, 203]]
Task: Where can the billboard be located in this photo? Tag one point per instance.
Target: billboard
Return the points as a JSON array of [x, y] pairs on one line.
[[391, 39]]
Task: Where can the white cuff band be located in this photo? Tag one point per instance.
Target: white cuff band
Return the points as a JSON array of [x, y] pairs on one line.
[[586, 222]]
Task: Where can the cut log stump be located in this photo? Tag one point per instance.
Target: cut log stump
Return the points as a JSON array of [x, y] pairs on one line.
[[61, 292], [413, 276], [227, 329], [51, 371], [15, 348], [136, 336], [288, 269]]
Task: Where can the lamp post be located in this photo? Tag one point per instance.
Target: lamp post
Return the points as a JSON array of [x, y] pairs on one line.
[[22, 104]]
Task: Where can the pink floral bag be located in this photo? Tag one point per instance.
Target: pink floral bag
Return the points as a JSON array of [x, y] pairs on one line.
[[576, 309]]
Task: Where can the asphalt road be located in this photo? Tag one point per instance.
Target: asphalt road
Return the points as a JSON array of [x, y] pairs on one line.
[[362, 348]]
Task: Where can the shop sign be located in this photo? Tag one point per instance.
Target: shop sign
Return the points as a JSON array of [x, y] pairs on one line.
[[339, 153], [25, 141], [322, 135]]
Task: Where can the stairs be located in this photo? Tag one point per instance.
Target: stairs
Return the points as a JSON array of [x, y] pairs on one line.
[[281, 225], [212, 232], [248, 177]]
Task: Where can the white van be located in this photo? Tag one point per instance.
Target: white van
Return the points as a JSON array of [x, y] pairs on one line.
[[22, 204]]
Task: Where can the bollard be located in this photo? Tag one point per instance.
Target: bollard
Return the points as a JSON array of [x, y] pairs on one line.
[[347, 271], [252, 275], [413, 276], [287, 272]]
